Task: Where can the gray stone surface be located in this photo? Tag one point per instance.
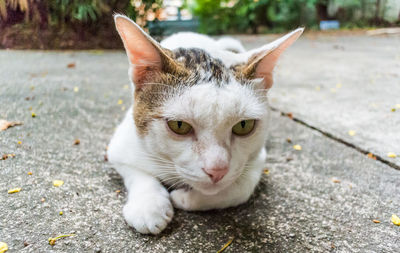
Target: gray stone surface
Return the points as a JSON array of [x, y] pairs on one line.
[[343, 83], [297, 207]]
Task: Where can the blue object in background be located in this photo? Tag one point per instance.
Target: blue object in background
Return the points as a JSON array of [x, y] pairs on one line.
[[329, 24]]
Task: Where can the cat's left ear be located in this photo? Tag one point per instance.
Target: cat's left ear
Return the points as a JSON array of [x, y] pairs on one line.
[[261, 62], [146, 56]]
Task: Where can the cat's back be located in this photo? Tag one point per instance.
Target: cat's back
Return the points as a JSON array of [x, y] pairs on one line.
[[196, 40], [225, 48]]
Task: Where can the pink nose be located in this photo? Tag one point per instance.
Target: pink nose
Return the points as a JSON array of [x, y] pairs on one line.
[[216, 173]]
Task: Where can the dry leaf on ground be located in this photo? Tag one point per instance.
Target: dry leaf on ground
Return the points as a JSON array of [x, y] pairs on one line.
[[352, 132], [52, 240], [3, 247], [396, 220], [225, 246], [297, 147], [6, 156], [4, 124], [15, 190], [372, 156], [58, 183]]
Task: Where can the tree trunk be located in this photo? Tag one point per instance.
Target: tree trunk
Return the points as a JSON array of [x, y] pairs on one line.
[[322, 11], [377, 10]]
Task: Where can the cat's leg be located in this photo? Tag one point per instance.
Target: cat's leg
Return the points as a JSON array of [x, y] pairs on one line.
[[237, 193], [148, 208]]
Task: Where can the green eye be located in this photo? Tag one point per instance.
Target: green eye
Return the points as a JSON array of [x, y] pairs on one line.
[[244, 127], [179, 127]]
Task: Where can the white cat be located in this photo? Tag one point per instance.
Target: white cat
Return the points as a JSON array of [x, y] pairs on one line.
[[198, 124]]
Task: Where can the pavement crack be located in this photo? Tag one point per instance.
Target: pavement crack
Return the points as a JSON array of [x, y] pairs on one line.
[[337, 139]]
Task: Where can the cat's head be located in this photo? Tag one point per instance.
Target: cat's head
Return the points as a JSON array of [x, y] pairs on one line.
[[205, 119]]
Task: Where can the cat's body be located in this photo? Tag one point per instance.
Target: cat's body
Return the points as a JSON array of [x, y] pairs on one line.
[[191, 82]]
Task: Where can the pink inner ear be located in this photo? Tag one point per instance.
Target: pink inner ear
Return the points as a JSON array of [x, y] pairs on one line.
[[142, 54], [267, 64]]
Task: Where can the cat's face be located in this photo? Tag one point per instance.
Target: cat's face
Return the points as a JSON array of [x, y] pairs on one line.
[[205, 119], [211, 149]]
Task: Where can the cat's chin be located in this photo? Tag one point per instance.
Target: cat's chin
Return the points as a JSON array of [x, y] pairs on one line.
[[209, 189]]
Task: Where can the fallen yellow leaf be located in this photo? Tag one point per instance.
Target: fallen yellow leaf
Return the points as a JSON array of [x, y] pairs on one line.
[[58, 183], [61, 213], [120, 101], [19, 142], [266, 171], [376, 221], [33, 114], [52, 240], [225, 246], [297, 147], [4, 124], [352, 132], [372, 156], [391, 155], [395, 220], [15, 190], [29, 173], [3, 247]]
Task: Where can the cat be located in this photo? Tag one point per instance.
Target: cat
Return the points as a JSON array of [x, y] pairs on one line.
[[198, 124]]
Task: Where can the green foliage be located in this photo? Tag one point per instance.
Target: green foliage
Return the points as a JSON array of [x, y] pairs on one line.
[[89, 14], [77, 10], [255, 16], [221, 16]]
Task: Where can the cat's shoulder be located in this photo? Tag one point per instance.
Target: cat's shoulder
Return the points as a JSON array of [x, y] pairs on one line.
[[189, 40]]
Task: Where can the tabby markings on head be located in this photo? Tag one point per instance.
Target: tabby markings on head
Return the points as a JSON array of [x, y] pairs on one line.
[[199, 67]]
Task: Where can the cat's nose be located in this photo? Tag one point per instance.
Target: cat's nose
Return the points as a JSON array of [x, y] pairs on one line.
[[216, 173]]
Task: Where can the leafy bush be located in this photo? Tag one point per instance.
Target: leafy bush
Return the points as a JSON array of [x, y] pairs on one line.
[[221, 16], [244, 16]]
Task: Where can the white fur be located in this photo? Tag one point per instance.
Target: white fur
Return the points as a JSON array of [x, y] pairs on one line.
[[218, 49], [161, 156]]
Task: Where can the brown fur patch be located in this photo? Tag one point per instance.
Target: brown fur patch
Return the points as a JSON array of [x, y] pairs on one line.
[[180, 68], [245, 72]]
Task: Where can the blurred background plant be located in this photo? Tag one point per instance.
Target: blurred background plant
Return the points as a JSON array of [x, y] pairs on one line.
[[259, 16], [88, 23]]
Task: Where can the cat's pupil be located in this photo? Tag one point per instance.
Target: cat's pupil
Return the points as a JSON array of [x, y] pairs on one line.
[[179, 124], [242, 123]]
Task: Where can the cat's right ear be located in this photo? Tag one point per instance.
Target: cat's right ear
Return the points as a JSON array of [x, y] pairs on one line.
[[262, 61], [145, 55]]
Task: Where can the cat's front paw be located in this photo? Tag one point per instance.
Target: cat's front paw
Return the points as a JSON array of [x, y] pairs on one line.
[[183, 199], [149, 214]]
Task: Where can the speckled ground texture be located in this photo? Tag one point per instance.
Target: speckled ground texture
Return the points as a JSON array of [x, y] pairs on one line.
[[297, 207]]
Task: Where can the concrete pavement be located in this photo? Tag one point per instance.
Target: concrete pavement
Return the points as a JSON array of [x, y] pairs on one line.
[[323, 198]]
